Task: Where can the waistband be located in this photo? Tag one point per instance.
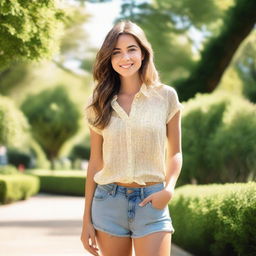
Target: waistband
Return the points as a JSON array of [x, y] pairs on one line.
[[113, 188], [137, 185]]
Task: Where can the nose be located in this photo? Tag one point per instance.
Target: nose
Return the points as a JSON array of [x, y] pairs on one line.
[[126, 56]]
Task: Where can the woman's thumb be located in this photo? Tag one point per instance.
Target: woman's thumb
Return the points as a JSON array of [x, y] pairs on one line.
[[145, 201]]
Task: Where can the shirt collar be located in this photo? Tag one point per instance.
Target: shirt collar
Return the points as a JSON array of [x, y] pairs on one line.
[[143, 89]]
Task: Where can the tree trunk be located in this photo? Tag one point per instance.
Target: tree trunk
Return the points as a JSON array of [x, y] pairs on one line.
[[218, 53]]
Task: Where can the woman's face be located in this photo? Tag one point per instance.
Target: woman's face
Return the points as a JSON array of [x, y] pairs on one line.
[[127, 56]]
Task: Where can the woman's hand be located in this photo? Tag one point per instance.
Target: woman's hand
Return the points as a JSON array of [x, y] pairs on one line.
[[88, 233], [159, 199]]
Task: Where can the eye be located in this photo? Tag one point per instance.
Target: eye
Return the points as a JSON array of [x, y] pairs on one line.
[[132, 49], [114, 53]]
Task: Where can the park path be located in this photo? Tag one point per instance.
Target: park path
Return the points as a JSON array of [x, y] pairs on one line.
[[46, 225]]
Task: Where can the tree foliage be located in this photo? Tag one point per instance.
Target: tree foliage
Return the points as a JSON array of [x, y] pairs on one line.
[[165, 22], [219, 51], [245, 64], [29, 30]]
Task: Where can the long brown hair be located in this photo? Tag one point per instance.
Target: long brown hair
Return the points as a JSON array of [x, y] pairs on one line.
[[108, 81]]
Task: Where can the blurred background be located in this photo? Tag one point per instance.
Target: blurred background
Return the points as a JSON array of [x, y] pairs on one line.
[[201, 49], [206, 50]]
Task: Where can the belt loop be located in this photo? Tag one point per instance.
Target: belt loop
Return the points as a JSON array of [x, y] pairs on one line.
[[114, 189], [142, 193]]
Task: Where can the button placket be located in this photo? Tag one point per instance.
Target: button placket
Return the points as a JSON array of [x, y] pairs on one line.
[[128, 123], [129, 151]]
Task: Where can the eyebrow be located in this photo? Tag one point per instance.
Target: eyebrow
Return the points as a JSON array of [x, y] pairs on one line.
[[133, 45]]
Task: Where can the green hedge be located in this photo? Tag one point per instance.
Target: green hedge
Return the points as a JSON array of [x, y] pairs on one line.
[[61, 182], [8, 169], [216, 219], [218, 139], [17, 187]]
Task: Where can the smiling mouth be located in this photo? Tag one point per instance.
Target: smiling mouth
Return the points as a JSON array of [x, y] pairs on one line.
[[126, 66]]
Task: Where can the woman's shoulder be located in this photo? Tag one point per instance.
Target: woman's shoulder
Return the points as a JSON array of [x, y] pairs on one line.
[[163, 89]]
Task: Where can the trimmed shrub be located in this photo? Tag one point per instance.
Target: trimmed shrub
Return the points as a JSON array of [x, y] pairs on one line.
[[58, 120], [80, 151], [218, 133], [216, 219], [61, 182], [13, 124], [8, 169], [16, 157], [30, 156], [17, 187]]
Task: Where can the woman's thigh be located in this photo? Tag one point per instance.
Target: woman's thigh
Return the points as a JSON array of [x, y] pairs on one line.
[[110, 245], [154, 244]]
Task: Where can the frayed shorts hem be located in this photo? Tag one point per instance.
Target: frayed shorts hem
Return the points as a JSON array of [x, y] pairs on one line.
[[153, 231], [134, 236], [110, 233]]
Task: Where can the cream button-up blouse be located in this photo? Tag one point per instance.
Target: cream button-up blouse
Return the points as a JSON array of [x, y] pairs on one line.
[[134, 145]]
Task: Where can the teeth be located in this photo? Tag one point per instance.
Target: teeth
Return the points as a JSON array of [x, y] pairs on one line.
[[126, 66]]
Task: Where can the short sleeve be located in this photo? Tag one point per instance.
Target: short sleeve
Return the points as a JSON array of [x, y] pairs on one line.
[[173, 103], [90, 116]]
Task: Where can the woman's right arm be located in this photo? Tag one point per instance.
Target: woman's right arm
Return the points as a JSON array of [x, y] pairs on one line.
[[95, 164]]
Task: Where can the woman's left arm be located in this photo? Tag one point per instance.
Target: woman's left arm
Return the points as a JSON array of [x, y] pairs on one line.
[[174, 152]]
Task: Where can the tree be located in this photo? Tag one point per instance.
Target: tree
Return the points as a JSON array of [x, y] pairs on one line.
[[54, 118], [245, 64], [165, 20], [29, 30], [219, 51], [73, 45]]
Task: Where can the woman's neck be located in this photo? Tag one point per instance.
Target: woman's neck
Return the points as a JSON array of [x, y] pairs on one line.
[[130, 85]]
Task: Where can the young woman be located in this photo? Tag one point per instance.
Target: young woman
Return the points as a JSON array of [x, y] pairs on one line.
[[133, 119]]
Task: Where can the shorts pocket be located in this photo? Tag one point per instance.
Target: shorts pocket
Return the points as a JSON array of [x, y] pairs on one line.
[[150, 191], [100, 194], [154, 208]]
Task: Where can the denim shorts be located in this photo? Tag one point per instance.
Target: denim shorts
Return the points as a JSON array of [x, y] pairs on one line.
[[115, 210]]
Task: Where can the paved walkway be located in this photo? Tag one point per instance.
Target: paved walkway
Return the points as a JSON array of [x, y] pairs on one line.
[[46, 225]]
